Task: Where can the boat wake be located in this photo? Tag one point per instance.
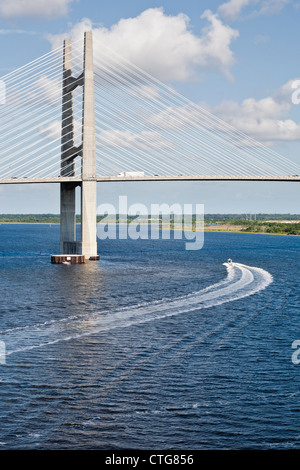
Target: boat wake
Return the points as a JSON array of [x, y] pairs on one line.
[[241, 281]]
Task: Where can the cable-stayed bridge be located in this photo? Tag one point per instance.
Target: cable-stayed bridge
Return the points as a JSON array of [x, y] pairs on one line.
[[78, 116]]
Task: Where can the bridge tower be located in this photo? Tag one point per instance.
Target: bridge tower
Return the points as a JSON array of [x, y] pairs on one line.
[[87, 246]]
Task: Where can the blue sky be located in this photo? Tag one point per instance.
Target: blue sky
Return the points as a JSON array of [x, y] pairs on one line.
[[241, 57]]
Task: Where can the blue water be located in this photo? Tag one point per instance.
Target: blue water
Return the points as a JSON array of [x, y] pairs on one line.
[[152, 347]]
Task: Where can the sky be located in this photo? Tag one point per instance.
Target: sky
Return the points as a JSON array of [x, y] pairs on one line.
[[238, 58]]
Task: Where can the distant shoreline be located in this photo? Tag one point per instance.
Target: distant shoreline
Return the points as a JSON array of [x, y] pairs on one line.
[[32, 223], [259, 223], [206, 229]]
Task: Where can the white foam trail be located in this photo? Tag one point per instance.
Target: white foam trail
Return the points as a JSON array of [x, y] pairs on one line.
[[241, 281]]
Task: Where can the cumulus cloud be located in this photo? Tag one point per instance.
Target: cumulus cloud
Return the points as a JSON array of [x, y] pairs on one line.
[[148, 92], [164, 45], [177, 118], [145, 140], [231, 10], [52, 131], [5, 32], [266, 120], [33, 8], [48, 89], [271, 7], [43, 90]]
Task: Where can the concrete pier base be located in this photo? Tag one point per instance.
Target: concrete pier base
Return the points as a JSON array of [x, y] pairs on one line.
[[67, 259]]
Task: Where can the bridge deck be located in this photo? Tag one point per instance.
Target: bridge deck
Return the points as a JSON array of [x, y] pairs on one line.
[[103, 179]]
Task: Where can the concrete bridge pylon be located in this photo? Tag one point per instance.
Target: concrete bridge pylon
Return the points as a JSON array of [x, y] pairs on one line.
[[87, 246]]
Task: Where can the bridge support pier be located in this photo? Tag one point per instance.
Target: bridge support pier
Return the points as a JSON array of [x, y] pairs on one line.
[[68, 243], [87, 246], [88, 168], [89, 220], [67, 219]]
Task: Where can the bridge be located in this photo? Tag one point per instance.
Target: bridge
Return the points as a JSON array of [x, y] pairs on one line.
[[82, 115], [115, 179]]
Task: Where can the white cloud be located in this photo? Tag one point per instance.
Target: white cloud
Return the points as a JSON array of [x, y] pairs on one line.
[[272, 7], [147, 92], [52, 131], [215, 44], [5, 32], [33, 8], [231, 10], [177, 118], [145, 140], [164, 45], [44, 90], [48, 89], [266, 120]]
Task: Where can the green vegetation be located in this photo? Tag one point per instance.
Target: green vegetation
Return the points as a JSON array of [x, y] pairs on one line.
[[286, 224], [29, 219], [272, 227], [212, 218]]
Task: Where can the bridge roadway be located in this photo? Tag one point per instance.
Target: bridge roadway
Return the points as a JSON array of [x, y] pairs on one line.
[[103, 179]]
